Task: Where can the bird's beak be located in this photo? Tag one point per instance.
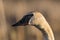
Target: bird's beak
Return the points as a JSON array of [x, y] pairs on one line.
[[24, 21]]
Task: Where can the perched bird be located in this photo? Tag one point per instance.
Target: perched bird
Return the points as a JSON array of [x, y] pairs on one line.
[[37, 19]]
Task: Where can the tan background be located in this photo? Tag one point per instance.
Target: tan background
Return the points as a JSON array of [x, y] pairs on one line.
[[13, 10]]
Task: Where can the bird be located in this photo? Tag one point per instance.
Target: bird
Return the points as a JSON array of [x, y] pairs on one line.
[[35, 18]]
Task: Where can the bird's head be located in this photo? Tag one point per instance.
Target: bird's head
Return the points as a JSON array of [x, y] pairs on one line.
[[32, 18], [36, 19]]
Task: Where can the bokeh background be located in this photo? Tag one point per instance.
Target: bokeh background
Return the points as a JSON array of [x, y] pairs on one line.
[[12, 11]]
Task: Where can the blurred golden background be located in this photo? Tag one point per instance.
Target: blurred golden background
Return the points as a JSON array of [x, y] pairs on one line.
[[12, 11]]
